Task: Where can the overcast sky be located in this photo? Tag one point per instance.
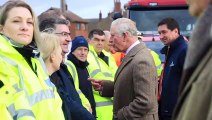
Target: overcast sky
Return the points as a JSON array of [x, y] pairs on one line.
[[83, 8]]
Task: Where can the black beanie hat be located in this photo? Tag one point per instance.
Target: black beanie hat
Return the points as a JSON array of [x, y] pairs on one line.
[[78, 42]]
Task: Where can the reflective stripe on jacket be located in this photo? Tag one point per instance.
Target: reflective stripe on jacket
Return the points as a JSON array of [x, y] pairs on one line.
[[13, 102], [73, 71], [98, 69]]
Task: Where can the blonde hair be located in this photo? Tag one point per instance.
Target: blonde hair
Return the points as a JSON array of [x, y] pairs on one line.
[[50, 42], [18, 3]]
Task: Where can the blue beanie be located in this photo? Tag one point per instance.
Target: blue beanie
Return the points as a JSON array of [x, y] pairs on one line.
[[78, 42]]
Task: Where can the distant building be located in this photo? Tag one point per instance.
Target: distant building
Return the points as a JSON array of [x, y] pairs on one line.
[[78, 25], [104, 23], [117, 6]]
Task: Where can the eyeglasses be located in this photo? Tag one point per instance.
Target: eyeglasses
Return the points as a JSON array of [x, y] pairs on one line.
[[65, 34]]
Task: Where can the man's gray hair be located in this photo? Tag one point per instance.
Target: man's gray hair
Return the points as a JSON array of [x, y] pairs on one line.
[[125, 25]]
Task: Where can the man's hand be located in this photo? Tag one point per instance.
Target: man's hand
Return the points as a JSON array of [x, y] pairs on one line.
[[97, 84]]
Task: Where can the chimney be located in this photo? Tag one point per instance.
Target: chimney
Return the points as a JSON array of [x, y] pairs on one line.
[[63, 5], [100, 15], [117, 6]]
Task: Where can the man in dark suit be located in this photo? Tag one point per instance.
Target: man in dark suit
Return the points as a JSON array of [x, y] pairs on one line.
[[135, 86]]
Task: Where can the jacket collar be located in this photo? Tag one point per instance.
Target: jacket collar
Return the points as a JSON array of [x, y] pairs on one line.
[[13, 43], [173, 45], [134, 44], [77, 62], [129, 57], [10, 47]]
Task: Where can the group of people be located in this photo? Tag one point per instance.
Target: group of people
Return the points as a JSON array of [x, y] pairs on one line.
[[37, 82], [41, 78]]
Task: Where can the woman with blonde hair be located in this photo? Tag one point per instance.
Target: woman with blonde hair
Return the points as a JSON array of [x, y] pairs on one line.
[[21, 71], [51, 52]]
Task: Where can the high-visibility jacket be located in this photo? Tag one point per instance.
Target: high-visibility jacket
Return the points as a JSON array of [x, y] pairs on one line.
[[118, 56], [40, 92], [13, 102], [157, 61], [98, 69], [5, 115], [74, 74]]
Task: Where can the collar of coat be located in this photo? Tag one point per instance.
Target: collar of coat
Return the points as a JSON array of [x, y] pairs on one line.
[[129, 56], [173, 45]]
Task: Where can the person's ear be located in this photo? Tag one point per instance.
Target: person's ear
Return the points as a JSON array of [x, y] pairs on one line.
[[176, 31], [125, 34], [89, 40]]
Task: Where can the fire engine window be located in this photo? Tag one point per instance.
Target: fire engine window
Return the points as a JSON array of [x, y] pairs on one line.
[[147, 21]]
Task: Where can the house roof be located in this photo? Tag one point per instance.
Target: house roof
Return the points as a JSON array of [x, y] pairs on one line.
[[92, 20], [74, 18], [70, 15], [103, 24]]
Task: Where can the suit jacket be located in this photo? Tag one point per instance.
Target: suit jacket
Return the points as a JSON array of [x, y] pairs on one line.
[[135, 87]]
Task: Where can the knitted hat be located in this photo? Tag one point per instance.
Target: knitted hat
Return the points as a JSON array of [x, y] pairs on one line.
[[78, 42]]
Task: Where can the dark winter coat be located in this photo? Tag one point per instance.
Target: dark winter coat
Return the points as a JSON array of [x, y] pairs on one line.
[[175, 58], [72, 105], [84, 85]]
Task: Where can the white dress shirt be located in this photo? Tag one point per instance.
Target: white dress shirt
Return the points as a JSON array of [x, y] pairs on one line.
[[133, 45]]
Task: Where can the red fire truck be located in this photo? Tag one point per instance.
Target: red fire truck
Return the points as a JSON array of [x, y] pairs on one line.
[[148, 13]]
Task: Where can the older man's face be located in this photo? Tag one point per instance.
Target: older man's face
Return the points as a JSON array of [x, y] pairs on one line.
[[118, 40], [196, 7]]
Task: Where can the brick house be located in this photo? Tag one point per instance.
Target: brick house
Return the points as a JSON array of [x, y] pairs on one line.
[[79, 26], [104, 23]]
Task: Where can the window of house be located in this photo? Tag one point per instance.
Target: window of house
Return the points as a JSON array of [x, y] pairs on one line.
[[83, 26], [78, 26]]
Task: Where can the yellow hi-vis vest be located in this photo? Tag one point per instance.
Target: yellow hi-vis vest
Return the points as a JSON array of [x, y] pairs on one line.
[[98, 69], [74, 74], [40, 92], [157, 61]]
